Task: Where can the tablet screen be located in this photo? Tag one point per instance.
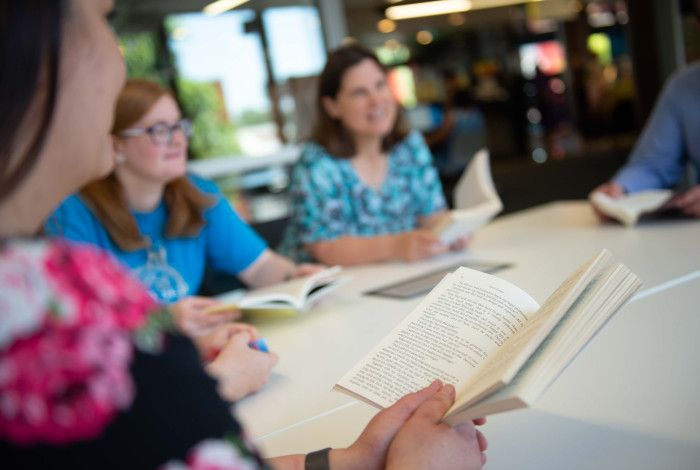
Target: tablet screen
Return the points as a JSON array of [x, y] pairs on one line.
[[425, 282]]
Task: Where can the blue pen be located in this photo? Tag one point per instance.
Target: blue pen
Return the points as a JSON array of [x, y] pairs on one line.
[[259, 345]]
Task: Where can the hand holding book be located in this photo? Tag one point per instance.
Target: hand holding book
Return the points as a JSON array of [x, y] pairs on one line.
[[409, 435], [629, 208], [687, 202]]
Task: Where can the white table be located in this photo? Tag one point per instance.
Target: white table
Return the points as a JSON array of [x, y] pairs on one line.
[[631, 399]]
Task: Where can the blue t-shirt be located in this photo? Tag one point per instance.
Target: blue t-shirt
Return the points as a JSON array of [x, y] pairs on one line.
[[330, 201], [225, 242], [671, 137]]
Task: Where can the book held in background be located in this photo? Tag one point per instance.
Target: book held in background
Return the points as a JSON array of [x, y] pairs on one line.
[[629, 208], [293, 297], [476, 201], [490, 339]]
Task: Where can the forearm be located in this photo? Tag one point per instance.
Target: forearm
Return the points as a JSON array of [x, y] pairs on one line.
[[431, 220], [287, 462], [658, 158], [268, 269], [348, 251]]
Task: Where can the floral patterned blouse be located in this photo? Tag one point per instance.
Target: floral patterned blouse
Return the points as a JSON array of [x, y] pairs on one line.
[[75, 391], [330, 201]]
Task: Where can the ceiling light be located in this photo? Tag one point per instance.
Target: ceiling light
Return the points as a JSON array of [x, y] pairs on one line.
[[417, 10], [424, 37], [386, 26], [221, 6], [456, 19], [445, 7]]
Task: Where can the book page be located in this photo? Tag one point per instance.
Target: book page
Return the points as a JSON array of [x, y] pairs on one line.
[[467, 317], [627, 209], [291, 293], [502, 366], [476, 200], [604, 296], [476, 187], [607, 294]]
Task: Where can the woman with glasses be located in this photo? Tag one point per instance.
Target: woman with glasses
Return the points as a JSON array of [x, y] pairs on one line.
[[166, 225]]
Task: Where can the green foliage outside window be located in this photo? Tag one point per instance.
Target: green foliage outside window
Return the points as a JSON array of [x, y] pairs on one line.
[[140, 52], [214, 134]]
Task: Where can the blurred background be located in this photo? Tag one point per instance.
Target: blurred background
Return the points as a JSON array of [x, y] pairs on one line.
[[557, 90]]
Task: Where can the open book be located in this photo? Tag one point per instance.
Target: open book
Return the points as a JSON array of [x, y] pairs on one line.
[[287, 298], [629, 208], [476, 201], [490, 339]]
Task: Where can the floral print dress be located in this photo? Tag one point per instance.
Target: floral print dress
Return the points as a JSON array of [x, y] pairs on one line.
[[330, 201], [75, 391]]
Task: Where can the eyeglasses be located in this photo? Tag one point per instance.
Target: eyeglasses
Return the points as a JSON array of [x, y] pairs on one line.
[[161, 133]]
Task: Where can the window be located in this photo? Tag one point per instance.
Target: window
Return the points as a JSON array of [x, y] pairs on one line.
[[223, 78]]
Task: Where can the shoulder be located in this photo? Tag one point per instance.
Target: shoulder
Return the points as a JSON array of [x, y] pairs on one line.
[[204, 185], [412, 150], [52, 310], [685, 83], [72, 212], [314, 153], [315, 161], [219, 203], [74, 205], [59, 278]]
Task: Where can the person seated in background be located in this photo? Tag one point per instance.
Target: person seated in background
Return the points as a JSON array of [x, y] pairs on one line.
[[82, 385], [669, 143], [165, 225], [160, 221], [459, 136], [365, 189]]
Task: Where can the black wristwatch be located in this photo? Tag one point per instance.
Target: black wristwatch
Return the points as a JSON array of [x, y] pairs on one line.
[[317, 460]]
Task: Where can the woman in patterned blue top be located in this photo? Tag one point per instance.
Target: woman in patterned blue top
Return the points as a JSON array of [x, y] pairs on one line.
[[365, 189]]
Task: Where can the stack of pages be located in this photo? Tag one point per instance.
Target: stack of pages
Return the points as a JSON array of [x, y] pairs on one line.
[[476, 201], [287, 298], [491, 340], [628, 209]]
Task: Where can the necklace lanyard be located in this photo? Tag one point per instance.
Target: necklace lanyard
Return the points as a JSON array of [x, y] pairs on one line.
[[163, 281]]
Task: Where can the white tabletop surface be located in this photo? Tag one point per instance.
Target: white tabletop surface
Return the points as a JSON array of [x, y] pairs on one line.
[[630, 400]]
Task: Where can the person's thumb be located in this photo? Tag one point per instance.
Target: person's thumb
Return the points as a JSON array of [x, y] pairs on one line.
[[435, 407], [408, 404]]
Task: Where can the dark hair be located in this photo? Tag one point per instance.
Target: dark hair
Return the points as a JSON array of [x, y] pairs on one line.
[[690, 8], [329, 132], [462, 99], [186, 204], [30, 48]]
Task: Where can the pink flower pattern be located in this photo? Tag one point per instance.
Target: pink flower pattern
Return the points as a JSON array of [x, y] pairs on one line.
[[66, 317], [214, 454]]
